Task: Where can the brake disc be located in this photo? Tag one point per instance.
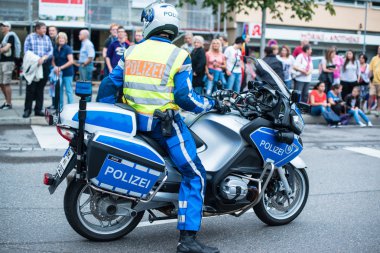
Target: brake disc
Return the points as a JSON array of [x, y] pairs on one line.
[[280, 198], [278, 201]]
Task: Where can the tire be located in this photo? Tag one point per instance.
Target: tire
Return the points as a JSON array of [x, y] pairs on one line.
[[277, 220], [71, 207]]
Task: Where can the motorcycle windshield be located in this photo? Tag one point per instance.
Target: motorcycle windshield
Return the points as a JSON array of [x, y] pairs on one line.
[[267, 74]]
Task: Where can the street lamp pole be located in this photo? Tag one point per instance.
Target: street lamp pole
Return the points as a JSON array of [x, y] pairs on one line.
[[365, 27]]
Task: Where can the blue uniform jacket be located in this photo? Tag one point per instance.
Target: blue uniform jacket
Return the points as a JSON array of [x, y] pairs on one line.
[[184, 95]]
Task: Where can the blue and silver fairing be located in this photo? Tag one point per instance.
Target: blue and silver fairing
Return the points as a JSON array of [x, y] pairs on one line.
[[101, 117], [272, 150]]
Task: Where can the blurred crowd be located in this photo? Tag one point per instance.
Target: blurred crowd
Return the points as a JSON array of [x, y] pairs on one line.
[[348, 86]]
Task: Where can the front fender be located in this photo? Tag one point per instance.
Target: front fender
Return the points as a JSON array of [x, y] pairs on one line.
[[298, 163]]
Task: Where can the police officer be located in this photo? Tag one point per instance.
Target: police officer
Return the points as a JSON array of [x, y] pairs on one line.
[[156, 78]]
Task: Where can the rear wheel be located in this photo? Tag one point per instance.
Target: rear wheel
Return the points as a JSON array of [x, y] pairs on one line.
[[276, 208], [85, 212]]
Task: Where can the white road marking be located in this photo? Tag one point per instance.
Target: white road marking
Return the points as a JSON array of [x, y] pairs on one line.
[[160, 222], [365, 151], [48, 137]]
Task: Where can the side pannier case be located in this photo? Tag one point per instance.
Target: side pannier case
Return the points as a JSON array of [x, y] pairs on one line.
[[123, 164]]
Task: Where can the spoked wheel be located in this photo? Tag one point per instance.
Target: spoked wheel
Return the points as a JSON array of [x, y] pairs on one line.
[[276, 208], [94, 215]]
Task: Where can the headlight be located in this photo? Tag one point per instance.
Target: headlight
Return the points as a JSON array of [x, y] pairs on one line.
[[297, 123]]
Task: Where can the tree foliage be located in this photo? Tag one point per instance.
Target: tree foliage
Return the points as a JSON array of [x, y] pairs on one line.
[[302, 9]]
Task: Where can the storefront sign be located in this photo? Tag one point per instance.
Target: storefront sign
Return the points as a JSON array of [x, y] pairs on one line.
[[295, 34], [254, 30], [331, 37], [62, 12]]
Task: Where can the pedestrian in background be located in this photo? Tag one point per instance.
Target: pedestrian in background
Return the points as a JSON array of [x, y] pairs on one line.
[[114, 53], [318, 99], [138, 36], [86, 56], [299, 49], [215, 64], [40, 45], [364, 82], [335, 99], [223, 39], [374, 89], [273, 62], [234, 63], [111, 38], [350, 73], [188, 46], [198, 64], [328, 68], [287, 65], [338, 62], [116, 49], [304, 66], [250, 72], [353, 104], [63, 67], [53, 32], [245, 51], [7, 57]]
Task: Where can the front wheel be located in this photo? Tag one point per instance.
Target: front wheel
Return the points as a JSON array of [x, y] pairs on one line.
[[275, 207], [85, 211]]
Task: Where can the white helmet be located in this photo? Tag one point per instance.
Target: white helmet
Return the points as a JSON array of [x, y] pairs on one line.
[[160, 18]]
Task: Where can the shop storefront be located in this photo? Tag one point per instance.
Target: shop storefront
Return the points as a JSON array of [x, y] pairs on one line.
[[320, 39]]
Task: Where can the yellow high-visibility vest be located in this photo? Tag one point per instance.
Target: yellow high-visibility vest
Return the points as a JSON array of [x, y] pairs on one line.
[[149, 70]]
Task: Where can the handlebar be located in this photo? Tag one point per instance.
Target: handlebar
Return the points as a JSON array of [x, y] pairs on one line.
[[244, 103]]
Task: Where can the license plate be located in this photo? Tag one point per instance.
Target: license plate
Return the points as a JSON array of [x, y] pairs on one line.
[[65, 161]]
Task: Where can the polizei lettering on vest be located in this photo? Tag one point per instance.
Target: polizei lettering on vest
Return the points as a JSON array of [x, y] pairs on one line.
[[144, 68], [272, 148], [127, 178]]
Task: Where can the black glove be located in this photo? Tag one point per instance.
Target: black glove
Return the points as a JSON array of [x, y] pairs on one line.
[[221, 107]]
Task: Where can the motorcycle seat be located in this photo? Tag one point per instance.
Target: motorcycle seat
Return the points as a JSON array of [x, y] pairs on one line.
[[154, 144]]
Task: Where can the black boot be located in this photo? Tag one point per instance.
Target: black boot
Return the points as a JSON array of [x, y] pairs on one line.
[[188, 243]]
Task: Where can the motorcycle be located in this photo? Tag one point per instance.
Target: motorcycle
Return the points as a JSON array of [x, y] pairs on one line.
[[115, 174]]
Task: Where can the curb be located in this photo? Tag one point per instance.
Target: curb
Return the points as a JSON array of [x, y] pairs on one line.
[[319, 120], [40, 121]]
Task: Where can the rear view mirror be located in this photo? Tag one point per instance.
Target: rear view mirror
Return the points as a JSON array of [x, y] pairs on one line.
[[83, 88], [251, 85], [219, 85]]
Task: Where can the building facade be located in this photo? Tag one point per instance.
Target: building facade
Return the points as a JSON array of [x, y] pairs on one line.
[[71, 16], [354, 25]]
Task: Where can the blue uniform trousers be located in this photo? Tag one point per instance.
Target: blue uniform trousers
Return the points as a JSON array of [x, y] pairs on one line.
[[182, 150]]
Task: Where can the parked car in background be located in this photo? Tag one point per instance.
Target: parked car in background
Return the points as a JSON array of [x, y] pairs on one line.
[[316, 70]]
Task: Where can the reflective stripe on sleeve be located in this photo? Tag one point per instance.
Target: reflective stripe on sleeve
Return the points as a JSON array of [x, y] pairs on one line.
[[182, 204], [186, 67], [181, 218], [121, 64]]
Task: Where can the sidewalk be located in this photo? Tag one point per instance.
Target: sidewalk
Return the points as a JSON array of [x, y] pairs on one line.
[[14, 116]]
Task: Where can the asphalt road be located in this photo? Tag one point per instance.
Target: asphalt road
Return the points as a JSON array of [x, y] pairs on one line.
[[342, 213]]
